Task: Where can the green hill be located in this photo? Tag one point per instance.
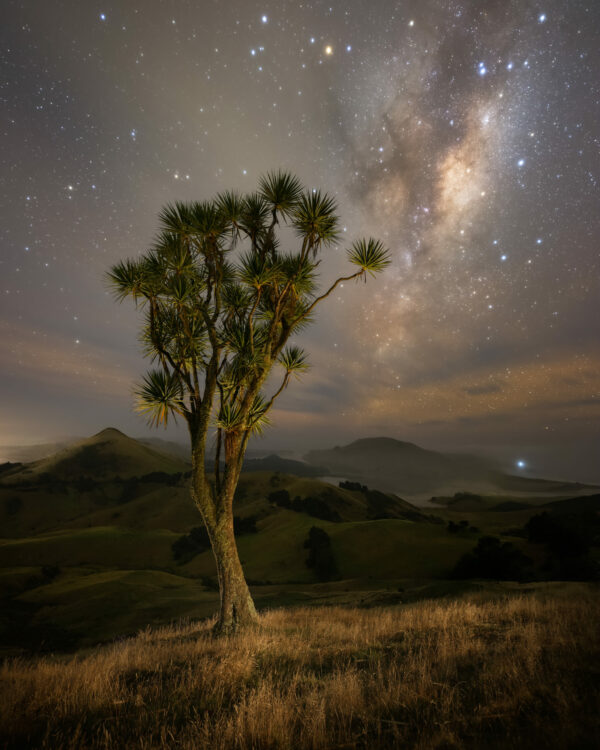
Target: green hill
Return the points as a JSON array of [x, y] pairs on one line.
[[87, 542], [107, 455]]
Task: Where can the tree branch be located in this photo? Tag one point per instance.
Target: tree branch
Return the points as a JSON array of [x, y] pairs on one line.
[[327, 293]]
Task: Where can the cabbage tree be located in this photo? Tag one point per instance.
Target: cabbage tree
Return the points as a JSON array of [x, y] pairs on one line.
[[221, 297]]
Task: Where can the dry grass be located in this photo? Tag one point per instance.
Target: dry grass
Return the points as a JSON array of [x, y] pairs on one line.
[[517, 672]]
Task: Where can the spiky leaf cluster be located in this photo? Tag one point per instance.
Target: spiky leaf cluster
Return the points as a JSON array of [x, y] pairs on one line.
[[221, 300]]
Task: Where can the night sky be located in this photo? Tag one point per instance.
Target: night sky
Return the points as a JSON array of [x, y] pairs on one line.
[[466, 135]]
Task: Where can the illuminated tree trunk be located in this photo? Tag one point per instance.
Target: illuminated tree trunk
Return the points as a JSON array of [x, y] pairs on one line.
[[236, 607]]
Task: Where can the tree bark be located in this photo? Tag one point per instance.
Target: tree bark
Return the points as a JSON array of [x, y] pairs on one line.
[[237, 608], [216, 508]]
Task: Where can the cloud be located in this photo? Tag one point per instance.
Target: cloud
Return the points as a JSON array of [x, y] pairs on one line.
[[482, 390]]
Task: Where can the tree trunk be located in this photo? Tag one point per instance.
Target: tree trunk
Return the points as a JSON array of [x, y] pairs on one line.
[[216, 508], [237, 608]]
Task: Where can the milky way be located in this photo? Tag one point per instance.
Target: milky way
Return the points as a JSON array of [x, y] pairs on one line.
[[464, 134]]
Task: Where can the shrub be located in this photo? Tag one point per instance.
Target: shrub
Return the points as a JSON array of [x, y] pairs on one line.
[[493, 559], [320, 556]]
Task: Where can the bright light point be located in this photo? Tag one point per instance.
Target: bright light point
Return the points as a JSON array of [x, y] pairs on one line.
[[482, 70], [70, 187], [252, 52], [329, 50], [542, 17], [510, 66], [348, 48], [77, 341], [264, 19], [482, 193], [411, 23], [312, 40], [521, 464], [521, 163], [103, 16], [244, 171], [495, 242], [381, 149], [503, 257]]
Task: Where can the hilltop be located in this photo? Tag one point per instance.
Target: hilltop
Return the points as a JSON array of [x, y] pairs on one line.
[[106, 455]]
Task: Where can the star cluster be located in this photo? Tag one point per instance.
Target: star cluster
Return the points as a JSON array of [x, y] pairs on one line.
[[464, 134]]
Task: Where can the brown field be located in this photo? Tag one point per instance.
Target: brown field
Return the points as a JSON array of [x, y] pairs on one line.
[[520, 671]]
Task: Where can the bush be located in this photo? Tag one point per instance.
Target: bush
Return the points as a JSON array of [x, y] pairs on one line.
[[315, 507], [568, 539], [188, 546], [281, 498], [312, 506], [353, 486], [245, 525], [493, 559], [197, 541], [320, 556]]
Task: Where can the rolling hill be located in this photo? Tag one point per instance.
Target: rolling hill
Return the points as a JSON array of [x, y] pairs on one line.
[[87, 548], [106, 455], [405, 468]]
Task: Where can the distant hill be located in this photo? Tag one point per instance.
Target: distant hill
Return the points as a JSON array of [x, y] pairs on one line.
[[168, 447], [103, 456], [285, 466], [406, 469], [27, 453]]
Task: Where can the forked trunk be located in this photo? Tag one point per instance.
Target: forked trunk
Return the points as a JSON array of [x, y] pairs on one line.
[[237, 608], [216, 507]]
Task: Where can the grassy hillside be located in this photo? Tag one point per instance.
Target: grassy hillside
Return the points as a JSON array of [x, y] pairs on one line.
[[492, 671], [106, 455], [83, 560]]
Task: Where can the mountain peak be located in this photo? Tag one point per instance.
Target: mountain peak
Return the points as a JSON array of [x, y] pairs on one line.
[[109, 433]]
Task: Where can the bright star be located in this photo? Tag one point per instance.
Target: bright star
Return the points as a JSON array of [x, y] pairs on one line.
[[521, 163], [103, 16], [411, 23], [510, 66], [264, 19], [348, 48], [521, 464], [503, 257], [542, 17], [329, 50]]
